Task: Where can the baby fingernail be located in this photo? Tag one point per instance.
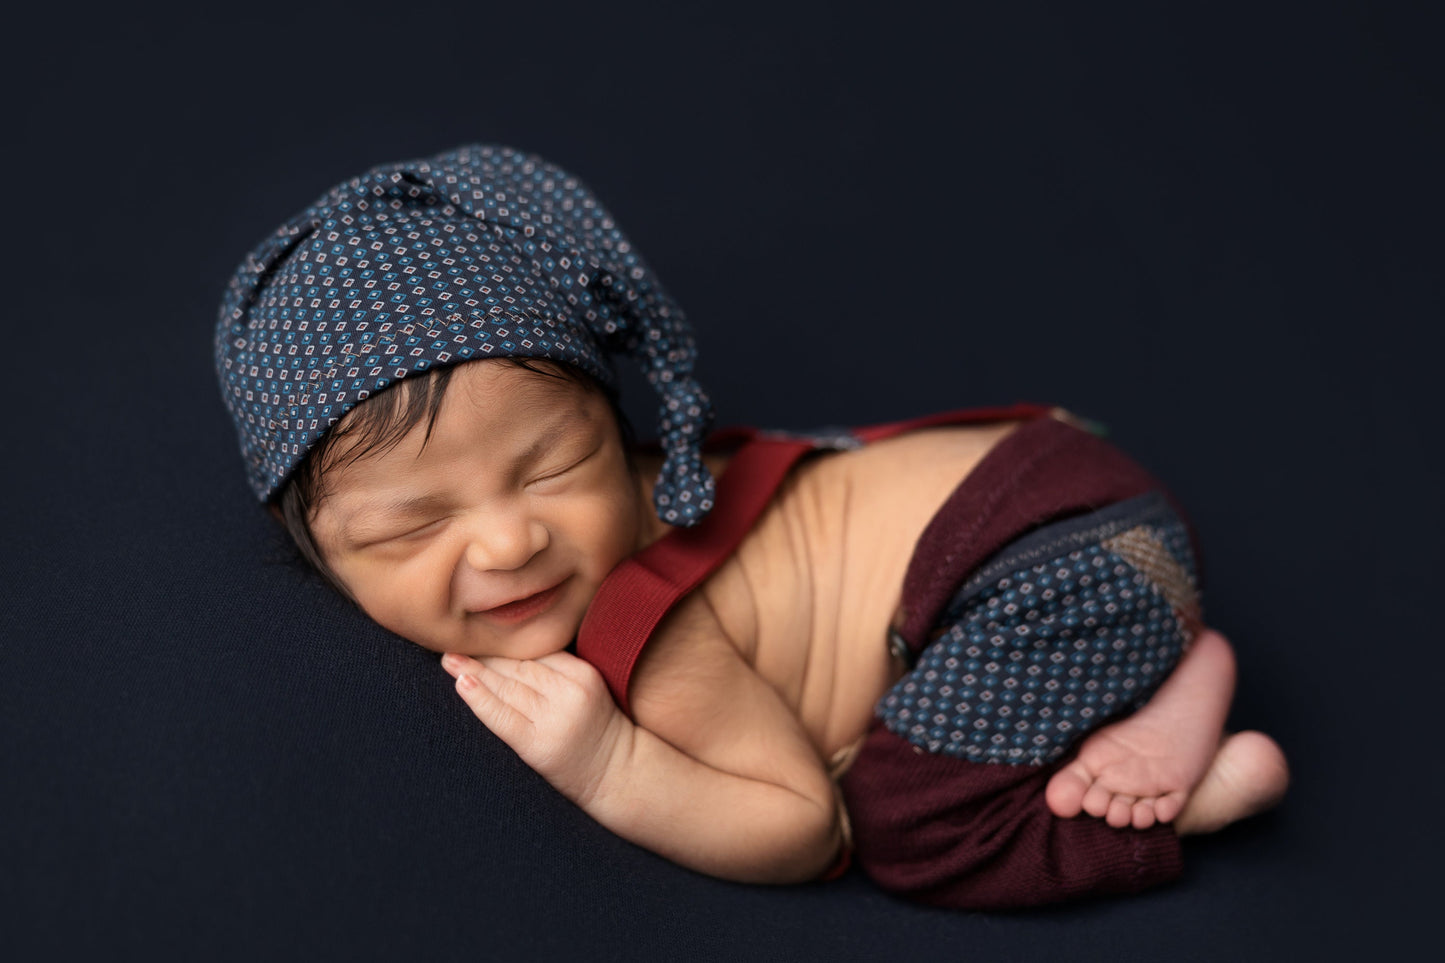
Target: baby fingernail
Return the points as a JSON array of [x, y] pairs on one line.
[[466, 681]]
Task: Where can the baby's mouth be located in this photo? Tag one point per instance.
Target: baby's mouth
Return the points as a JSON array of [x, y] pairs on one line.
[[522, 609]]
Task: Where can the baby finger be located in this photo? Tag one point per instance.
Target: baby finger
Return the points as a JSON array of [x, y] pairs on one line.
[[499, 716], [510, 688], [526, 672]]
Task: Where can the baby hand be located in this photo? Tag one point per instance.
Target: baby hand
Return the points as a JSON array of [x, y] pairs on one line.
[[555, 712]]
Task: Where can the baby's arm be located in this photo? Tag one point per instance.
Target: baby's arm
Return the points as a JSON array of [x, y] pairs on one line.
[[717, 775]]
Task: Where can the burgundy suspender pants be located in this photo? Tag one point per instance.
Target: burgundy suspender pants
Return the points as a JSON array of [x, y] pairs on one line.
[[951, 831]]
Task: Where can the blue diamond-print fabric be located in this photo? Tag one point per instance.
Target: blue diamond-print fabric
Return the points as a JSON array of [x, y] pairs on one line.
[[479, 252], [1072, 625]]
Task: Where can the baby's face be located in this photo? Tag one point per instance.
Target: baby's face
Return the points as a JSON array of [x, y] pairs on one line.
[[492, 538]]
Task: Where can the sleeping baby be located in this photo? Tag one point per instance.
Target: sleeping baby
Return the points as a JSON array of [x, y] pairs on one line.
[[964, 652]]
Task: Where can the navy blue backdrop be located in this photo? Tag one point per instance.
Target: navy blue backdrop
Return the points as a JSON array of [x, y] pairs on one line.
[[1216, 231]]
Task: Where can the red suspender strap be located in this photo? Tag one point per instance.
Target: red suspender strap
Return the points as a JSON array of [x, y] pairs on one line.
[[632, 600]]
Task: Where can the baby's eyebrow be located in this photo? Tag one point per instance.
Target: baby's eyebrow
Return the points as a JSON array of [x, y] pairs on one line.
[[546, 440], [355, 522]]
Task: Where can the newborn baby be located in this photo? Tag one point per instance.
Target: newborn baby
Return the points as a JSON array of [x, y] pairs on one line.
[[418, 367]]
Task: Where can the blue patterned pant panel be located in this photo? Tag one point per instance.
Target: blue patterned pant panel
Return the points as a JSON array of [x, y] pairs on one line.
[[1069, 626]]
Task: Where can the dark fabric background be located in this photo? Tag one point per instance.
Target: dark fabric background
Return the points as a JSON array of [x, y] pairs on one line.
[[1218, 231]]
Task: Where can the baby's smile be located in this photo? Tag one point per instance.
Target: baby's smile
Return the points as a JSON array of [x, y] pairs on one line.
[[521, 609]]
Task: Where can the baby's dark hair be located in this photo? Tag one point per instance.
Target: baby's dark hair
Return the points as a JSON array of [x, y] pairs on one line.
[[379, 424]]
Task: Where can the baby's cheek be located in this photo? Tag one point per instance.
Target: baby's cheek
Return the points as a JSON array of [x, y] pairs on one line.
[[408, 599], [611, 525]]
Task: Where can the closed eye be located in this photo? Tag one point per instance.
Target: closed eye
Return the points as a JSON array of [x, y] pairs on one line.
[[413, 533], [568, 468]]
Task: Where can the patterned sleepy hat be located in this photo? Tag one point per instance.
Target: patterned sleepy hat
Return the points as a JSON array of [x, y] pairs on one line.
[[480, 252]]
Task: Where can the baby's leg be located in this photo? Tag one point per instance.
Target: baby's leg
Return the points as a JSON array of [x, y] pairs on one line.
[[1169, 761]]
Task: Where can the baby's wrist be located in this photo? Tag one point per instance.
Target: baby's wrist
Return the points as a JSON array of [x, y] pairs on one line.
[[613, 760]]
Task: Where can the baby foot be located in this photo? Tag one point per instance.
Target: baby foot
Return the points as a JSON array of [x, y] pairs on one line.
[[1141, 770], [1248, 776]]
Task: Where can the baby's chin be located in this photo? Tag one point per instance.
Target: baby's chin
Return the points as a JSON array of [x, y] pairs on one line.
[[529, 654], [478, 650], [525, 644]]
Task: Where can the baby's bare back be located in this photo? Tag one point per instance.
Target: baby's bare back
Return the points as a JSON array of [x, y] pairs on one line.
[[809, 595]]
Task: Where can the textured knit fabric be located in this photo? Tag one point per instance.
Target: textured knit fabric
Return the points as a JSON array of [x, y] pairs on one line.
[[950, 821], [480, 252], [1069, 626]]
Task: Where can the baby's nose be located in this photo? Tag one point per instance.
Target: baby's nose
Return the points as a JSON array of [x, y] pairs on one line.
[[502, 544]]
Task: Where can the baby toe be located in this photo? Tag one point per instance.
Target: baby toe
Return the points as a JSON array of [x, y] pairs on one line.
[[1168, 807], [1143, 814], [1065, 792], [1097, 800], [1121, 811]]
